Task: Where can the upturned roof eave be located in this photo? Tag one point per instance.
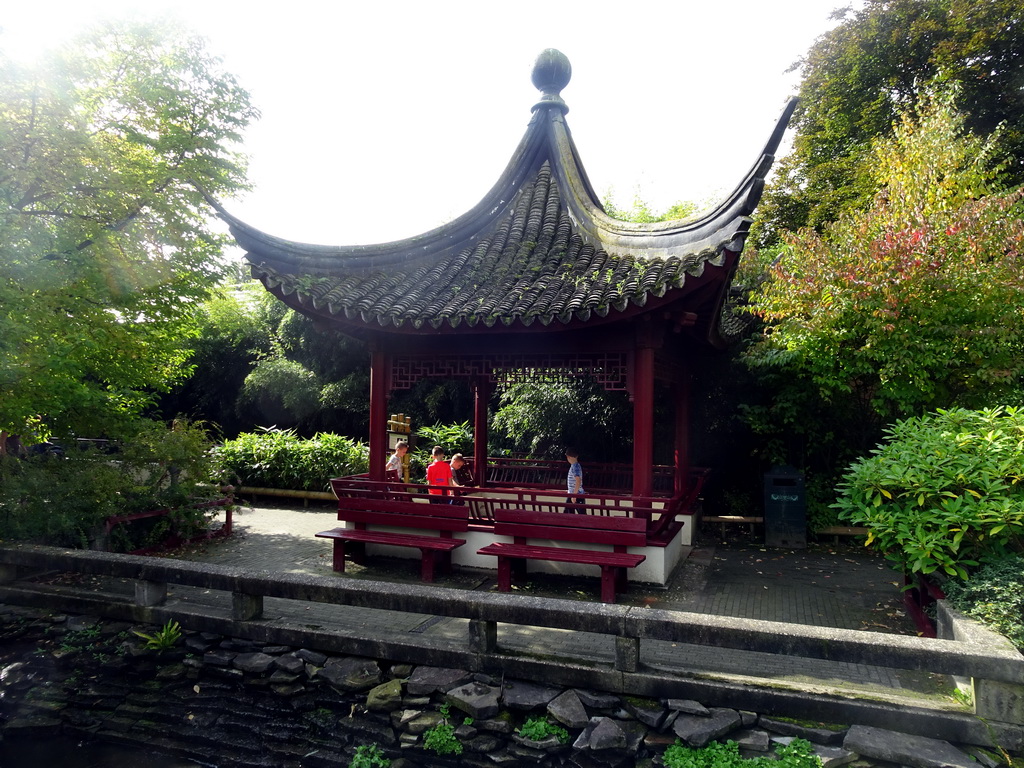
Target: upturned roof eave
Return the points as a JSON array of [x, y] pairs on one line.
[[724, 225], [547, 138], [450, 238]]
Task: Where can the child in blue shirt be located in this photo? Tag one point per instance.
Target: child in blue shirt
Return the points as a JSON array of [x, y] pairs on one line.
[[574, 483]]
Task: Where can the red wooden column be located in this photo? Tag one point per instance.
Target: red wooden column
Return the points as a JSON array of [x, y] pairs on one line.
[[643, 420], [682, 434], [380, 386], [481, 396]]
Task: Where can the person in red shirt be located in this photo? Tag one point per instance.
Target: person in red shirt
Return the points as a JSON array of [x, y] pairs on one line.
[[439, 473]]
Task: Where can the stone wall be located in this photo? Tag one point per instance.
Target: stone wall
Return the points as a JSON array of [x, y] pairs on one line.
[[239, 704]]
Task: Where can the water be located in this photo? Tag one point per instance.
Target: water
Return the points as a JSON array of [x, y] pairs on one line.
[[56, 749]]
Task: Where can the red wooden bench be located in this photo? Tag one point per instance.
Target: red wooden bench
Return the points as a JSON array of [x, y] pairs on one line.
[[435, 550], [522, 525]]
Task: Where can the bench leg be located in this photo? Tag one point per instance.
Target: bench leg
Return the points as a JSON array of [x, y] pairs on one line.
[[608, 578], [427, 563], [504, 574], [621, 580], [338, 563], [357, 552]]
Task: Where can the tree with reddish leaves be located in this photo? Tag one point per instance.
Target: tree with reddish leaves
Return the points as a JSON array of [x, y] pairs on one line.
[[913, 304]]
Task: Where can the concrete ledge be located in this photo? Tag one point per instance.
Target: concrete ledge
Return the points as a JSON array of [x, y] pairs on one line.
[[852, 646], [993, 699], [988, 661]]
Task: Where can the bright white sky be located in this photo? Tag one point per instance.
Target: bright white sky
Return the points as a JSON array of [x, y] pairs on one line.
[[382, 120]]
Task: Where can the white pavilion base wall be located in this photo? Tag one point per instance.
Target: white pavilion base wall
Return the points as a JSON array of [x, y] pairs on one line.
[[656, 569]]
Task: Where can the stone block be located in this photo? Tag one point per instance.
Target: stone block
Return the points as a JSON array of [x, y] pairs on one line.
[[905, 749], [521, 695], [568, 710], [816, 734], [697, 731], [385, 697], [150, 593], [427, 680], [477, 700], [351, 673], [246, 607]]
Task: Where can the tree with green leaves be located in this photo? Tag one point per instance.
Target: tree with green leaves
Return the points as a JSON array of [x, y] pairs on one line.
[[235, 332], [860, 75], [106, 244], [914, 304]]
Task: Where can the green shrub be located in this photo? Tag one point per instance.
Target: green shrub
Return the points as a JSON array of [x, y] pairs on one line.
[[369, 756], [441, 739], [994, 595], [65, 500], [164, 639], [539, 728], [945, 493], [60, 502], [796, 754], [274, 458]]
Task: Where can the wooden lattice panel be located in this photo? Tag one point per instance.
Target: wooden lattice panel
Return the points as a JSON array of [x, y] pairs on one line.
[[610, 370]]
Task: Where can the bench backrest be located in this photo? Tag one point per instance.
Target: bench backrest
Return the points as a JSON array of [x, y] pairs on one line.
[[404, 514], [619, 532]]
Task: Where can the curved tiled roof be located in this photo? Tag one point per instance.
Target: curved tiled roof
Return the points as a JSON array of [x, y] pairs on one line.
[[534, 267], [537, 251]]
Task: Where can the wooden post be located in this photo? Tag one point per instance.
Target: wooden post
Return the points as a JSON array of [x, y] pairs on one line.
[[682, 435], [380, 373], [643, 421], [481, 395]]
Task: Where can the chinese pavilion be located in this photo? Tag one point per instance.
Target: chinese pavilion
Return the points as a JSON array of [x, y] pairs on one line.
[[535, 281]]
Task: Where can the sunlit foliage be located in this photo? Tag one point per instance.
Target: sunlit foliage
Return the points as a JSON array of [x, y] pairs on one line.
[[105, 241]]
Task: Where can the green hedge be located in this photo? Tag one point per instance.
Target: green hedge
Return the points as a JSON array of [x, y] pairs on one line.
[[994, 595], [64, 499], [945, 493], [275, 458]]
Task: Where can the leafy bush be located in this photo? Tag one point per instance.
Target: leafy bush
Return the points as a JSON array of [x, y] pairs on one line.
[[164, 639], [796, 754], [56, 501], [945, 493], [369, 756], [994, 595], [64, 500], [441, 739], [538, 729], [274, 458]]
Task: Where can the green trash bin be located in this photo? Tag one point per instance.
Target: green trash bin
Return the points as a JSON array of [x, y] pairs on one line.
[[785, 508]]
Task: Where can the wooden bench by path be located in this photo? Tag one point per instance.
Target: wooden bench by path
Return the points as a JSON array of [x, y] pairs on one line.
[[523, 525], [725, 520], [435, 551], [835, 531]]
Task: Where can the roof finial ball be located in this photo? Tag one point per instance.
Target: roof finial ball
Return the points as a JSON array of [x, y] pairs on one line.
[[551, 73]]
